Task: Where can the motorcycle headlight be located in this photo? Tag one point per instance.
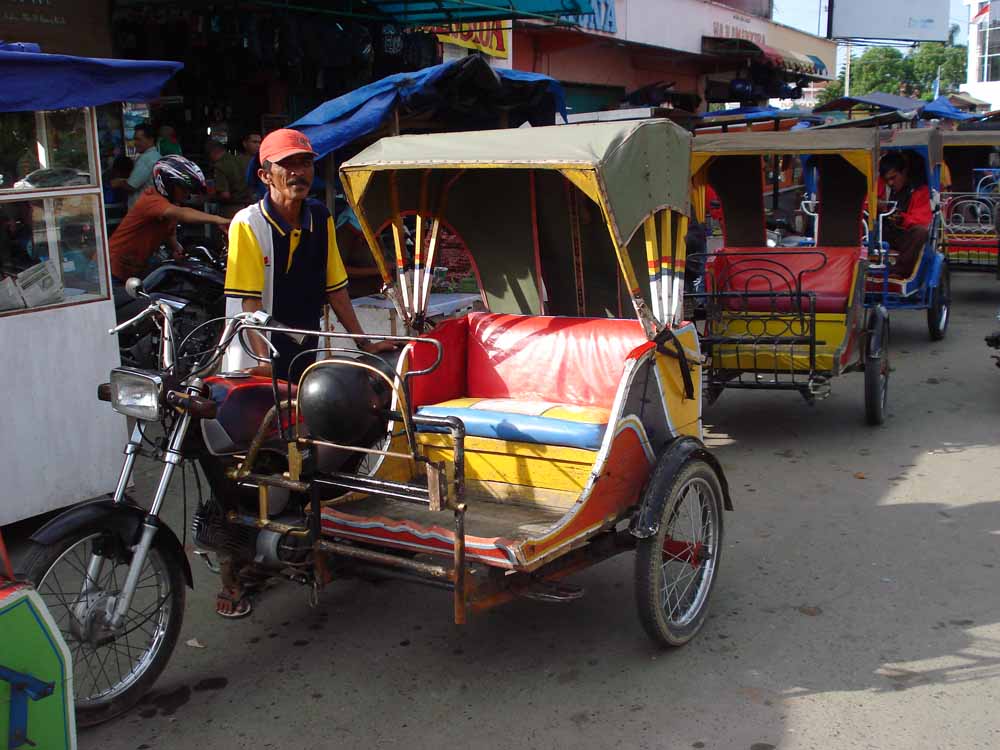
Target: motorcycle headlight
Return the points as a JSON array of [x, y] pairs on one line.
[[136, 393]]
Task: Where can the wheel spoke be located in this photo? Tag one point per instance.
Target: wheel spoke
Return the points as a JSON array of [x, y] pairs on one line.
[[686, 556], [102, 673]]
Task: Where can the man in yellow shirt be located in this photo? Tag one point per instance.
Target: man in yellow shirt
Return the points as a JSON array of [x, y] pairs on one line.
[[283, 258]]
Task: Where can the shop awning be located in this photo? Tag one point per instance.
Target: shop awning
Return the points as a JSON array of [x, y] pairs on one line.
[[456, 11], [38, 81], [794, 62]]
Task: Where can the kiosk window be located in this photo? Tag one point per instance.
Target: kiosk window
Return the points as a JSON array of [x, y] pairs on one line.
[[52, 246], [49, 252], [40, 150]]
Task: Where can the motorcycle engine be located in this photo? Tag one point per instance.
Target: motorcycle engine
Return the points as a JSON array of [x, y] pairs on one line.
[[268, 548]]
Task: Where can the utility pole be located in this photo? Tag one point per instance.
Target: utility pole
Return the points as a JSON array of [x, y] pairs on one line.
[[847, 72]]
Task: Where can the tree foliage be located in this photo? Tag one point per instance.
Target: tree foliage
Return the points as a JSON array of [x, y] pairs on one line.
[[888, 70]]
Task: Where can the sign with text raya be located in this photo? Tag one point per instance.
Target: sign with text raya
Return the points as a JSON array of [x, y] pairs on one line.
[[489, 37], [902, 20], [602, 19]]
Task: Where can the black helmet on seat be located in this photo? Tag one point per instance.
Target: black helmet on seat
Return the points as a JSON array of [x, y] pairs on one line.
[[175, 170]]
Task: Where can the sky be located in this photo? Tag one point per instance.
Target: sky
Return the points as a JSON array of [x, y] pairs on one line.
[[804, 14]]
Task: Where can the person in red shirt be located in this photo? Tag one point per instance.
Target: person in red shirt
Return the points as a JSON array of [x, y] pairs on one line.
[[153, 220], [905, 230]]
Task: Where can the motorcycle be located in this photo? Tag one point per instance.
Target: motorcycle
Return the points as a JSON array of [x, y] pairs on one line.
[[115, 574], [193, 286]]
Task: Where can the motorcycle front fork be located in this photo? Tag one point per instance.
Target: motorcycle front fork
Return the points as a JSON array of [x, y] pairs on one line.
[[171, 459]]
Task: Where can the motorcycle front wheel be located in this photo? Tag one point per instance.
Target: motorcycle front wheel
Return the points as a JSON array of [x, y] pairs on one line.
[[79, 578]]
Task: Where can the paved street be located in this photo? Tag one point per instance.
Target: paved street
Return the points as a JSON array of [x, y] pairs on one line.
[[856, 607]]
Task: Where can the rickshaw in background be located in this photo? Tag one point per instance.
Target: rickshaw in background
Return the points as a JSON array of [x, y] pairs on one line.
[[790, 318], [969, 239], [927, 285], [502, 450]]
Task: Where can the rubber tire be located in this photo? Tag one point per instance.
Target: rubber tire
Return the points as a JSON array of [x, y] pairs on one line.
[[875, 397], [36, 561], [648, 558], [940, 304]]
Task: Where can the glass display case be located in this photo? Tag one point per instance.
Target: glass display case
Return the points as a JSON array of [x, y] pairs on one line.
[[52, 247]]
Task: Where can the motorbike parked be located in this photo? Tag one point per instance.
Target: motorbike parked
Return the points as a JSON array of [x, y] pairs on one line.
[[113, 573], [193, 286]]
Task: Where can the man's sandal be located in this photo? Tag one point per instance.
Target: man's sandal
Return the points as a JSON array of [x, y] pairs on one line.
[[233, 606]]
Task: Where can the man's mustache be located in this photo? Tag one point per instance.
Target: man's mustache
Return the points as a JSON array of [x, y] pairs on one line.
[[297, 181]]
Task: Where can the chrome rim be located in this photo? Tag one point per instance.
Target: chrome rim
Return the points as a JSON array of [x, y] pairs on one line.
[[77, 588], [690, 547], [945, 296]]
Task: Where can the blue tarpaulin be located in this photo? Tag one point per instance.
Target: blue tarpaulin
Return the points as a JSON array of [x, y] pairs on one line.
[[38, 81], [464, 88], [941, 108]]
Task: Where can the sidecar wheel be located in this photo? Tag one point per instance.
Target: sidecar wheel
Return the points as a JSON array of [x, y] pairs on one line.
[[675, 568], [109, 676], [938, 314]]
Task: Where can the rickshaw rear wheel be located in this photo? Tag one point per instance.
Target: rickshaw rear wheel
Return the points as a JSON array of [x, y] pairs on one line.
[[877, 378], [675, 568], [939, 313]]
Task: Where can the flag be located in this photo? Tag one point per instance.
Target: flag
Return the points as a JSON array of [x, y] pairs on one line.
[[984, 11]]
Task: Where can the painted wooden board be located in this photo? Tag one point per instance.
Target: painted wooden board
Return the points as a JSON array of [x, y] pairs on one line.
[[31, 645]]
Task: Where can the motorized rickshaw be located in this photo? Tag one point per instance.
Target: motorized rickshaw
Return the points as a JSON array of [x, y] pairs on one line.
[[969, 204], [792, 316], [502, 452], [927, 285]]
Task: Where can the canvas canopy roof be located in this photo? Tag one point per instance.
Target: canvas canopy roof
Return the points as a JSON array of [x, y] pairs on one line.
[[798, 141], [971, 138], [631, 169], [857, 146]]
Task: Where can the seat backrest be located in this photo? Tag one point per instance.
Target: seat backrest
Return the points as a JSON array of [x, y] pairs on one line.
[[826, 271], [563, 360]]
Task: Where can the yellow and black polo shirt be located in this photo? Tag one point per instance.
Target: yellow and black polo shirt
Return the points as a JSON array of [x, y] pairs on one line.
[[289, 270]]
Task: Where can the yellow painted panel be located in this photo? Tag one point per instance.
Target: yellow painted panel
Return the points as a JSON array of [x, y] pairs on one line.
[[587, 414], [553, 468], [518, 494], [460, 403], [831, 329], [683, 411], [586, 181], [513, 448]]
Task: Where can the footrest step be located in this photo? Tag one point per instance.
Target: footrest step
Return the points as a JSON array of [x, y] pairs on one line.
[[546, 591]]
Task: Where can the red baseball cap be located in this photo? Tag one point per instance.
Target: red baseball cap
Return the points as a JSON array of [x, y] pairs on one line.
[[280, 144]]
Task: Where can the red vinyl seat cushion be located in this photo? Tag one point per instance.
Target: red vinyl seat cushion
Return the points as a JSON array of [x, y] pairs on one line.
[[577, 362]]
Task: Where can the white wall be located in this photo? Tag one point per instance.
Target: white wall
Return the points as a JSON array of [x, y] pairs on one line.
[[988, 92], [681, 24], [58, 443]]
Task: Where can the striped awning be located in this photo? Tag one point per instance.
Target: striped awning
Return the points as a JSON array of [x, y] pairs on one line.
[[793, 62], [432, 12]]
